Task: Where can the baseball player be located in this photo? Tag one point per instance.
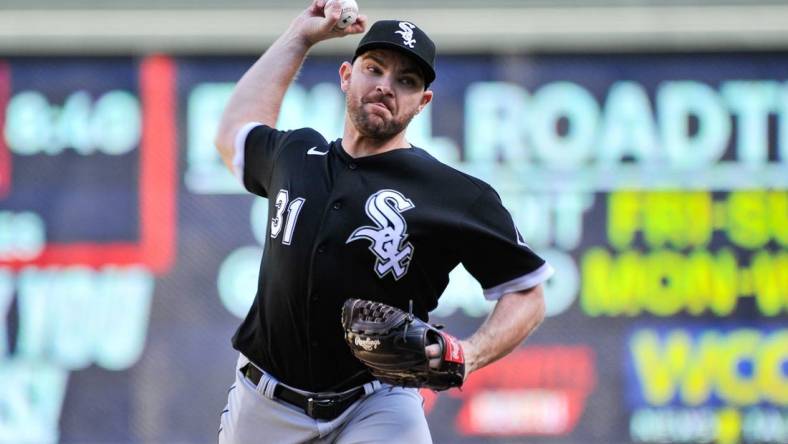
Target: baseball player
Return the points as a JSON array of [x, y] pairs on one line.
[[366, 216]]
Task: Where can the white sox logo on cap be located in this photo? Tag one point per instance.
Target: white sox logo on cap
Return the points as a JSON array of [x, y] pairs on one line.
[[405, 37], [407, 33], [388, 238]]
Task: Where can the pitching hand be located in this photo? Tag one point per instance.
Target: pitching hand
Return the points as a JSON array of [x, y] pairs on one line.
[[318, 23]]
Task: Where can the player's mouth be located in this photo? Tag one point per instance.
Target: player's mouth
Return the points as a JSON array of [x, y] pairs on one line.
[[379, 101], [379, 105]]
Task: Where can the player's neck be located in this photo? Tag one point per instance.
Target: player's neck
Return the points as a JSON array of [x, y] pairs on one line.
[[357, 145]]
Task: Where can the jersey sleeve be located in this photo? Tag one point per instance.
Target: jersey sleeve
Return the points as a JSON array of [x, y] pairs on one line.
[[257, 148], [494, 253]]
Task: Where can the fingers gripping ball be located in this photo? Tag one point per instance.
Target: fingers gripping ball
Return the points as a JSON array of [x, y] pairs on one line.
[[349, 12], [392, 342]]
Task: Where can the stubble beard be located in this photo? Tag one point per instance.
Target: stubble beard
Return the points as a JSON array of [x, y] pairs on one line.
[[375, 127]]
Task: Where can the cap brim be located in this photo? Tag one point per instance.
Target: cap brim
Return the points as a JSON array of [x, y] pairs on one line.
[[429, 73]]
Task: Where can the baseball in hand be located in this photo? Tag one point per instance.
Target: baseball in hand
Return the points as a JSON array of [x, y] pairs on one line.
[[349, 12]]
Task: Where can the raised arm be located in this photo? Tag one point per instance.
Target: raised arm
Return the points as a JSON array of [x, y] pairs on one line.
[[515, 316], [258, 96]]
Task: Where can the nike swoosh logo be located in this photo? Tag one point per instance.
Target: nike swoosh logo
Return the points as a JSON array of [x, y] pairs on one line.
[[314, 152]]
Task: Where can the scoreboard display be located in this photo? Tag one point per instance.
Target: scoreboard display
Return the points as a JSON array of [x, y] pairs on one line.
[[655, 184], [88, 162]]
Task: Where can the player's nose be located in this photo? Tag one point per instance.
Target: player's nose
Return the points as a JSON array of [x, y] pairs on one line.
[[384, 87]]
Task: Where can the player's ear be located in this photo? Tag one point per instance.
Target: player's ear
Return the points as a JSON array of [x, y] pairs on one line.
[[426, 98], [345, 70]]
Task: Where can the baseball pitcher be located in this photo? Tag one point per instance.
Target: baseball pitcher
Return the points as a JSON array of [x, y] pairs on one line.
[[363, 233]]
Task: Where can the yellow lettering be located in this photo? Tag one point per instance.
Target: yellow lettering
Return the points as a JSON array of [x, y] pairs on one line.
[[748, 219], [596, 270], [663, 282], [624, 219], [654, 372], [780, 262], [699, 282], [680, 219], [743, 367], [728, 426], [739, 348], [778, 216], [663, 219], [698, 212], [677, 353], [768, 294], [771, 356], [664, 285], [696, 385], [611, 286], [627, 283], [724, 276]]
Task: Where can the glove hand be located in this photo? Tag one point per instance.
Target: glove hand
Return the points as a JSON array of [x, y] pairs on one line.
[[401, 349]]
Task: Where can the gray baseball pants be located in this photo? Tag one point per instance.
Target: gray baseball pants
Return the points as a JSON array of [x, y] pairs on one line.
[[385, 414]]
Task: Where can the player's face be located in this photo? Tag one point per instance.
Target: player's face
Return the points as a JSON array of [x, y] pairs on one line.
[[384, 91]]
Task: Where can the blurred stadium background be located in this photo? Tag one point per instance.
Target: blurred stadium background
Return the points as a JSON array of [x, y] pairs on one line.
[[642, 147]]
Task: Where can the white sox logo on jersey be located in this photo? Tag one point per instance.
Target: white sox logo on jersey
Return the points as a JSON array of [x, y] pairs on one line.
[[407, 33], [388, 238]]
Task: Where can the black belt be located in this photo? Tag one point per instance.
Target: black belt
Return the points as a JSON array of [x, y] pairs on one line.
[[317, 406]]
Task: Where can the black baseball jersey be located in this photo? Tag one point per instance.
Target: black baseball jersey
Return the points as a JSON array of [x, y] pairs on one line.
[[387, 227]]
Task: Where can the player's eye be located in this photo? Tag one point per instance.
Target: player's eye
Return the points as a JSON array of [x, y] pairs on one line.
[[408, 81]]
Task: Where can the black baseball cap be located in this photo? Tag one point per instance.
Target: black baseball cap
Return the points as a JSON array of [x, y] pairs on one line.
[[403, 36]]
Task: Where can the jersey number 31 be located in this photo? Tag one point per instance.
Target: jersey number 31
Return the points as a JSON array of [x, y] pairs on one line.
[[279, 220]]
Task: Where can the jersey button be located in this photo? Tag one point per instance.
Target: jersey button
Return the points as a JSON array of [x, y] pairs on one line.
[[337, 205], [315, 344], [321, 249], [352, 166]]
